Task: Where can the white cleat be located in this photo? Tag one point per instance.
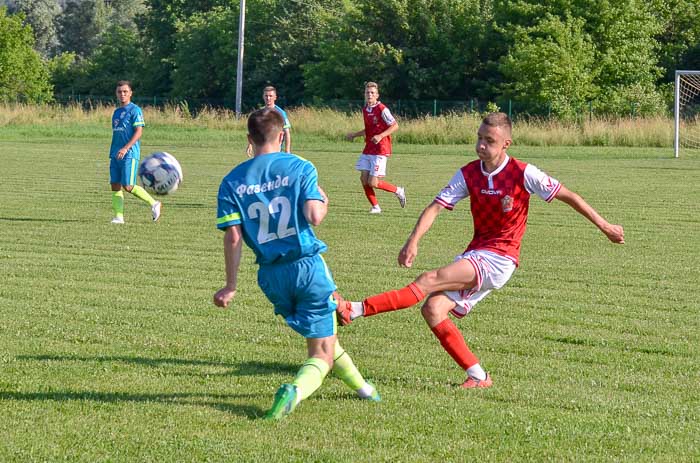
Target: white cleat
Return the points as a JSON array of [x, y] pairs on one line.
[[401, 194], [375, 210], [118, 220], [155, 210]]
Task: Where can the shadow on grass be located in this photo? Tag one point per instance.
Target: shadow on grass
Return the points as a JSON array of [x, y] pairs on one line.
[[251, 368], [32, 219], [246, 411]]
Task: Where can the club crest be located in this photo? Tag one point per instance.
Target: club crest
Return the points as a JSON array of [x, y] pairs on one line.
[[507, 203]]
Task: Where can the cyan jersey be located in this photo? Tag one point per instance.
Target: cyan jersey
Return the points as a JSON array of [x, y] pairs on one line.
[[124, 123], [266, 196]]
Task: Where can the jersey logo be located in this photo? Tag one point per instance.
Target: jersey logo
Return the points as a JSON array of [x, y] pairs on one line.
[[507, 203]]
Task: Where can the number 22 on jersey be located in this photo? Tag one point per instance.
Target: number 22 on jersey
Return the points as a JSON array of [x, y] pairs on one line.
[[278, 207]]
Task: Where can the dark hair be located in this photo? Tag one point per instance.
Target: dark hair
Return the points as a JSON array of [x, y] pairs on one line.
[[121, 83], [499, 120], [264, 125]]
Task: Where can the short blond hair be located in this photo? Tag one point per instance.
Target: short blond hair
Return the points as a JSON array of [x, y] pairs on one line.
[[371, 84], [270, 88]]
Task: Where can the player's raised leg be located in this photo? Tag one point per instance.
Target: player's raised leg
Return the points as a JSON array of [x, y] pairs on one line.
[[458, 275]]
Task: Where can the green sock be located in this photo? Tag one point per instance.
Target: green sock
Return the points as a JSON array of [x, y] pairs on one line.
[[118, 203], [143, 195], [309, 377], [346, 370]]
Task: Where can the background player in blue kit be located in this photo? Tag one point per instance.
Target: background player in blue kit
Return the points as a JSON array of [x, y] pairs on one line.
[[271, 202], [270, 99], [125, 152]]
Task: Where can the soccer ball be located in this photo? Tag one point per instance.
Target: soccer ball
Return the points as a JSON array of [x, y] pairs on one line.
[[160, 173]]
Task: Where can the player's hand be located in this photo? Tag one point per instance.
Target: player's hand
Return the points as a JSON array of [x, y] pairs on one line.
[[224, 296], [615, 233], [408, 254], [376, 139], [350, 136], [121, 153]]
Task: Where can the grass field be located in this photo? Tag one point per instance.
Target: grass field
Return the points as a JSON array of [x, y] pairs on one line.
[[111, 350]]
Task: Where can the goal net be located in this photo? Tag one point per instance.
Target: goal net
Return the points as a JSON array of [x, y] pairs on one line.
[[687, 111]]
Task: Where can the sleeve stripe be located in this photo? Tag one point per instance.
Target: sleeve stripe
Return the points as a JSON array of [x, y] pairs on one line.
[[554, 193], [444, 204], [228, 218]]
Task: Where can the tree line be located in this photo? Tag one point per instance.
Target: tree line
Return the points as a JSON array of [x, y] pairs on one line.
[[555, 56]]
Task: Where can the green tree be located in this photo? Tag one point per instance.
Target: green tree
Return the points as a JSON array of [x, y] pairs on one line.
[[551, 66], [41, 16], [415, 49], [23, 75], [81, 25]]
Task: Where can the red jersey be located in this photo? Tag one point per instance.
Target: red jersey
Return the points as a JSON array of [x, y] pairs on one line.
[[378, 118], [499, 202]]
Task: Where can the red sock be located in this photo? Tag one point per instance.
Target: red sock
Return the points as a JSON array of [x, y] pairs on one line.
[[393, 300], [386, 186], [453, 342], [369, 192]]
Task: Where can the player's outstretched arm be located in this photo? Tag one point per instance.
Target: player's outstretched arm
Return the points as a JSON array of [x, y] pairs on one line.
[[425, 221], [287, 141], [615, 233], [392, 128], [314, 210], [352, 135], [233, 246], [138, 131]]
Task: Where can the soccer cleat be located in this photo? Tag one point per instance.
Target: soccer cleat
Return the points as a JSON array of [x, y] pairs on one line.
[[284, 404], [472, 383], [343, 312], [374, 397], [155, 210], [118, 220], [375, 210], [401, 194]]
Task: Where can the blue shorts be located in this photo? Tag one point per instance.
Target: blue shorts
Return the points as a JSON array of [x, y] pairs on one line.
[[123, 171], [302, 293]]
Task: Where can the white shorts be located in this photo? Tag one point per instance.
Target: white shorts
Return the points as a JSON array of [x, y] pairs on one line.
[[374, 164], [492, 272]]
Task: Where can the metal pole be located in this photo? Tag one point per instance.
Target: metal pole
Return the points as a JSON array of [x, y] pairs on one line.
[[676, 115], [239, 67]]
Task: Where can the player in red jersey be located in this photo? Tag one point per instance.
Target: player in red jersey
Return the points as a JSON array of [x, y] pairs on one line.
[[379, 125], [499, 189]]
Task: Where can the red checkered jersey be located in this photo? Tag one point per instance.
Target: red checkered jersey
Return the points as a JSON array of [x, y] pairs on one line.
[[378, 118], [499, 202]]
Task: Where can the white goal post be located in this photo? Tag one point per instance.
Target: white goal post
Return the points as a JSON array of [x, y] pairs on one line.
[[686, 111]]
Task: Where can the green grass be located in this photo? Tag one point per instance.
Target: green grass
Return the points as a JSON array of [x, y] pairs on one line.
[[111, 350]]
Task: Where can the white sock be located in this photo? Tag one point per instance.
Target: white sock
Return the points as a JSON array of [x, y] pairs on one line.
[[365, 391], [476, 372], [357, 310]]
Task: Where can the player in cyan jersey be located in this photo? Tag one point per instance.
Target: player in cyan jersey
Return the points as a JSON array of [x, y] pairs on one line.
[[271, 202], [270, 98], [499, 188], [125, 152], [379, 125]]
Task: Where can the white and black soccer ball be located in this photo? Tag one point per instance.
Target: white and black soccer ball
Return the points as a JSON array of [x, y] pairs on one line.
[[160, 173]]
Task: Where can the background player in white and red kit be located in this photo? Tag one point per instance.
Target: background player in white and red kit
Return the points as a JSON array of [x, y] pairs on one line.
[[379, 125], [499, 188]]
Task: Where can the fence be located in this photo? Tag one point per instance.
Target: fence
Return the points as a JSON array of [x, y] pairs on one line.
[[400, 107]]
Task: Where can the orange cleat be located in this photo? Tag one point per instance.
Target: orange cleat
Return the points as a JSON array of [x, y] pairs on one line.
[[472, 383]]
